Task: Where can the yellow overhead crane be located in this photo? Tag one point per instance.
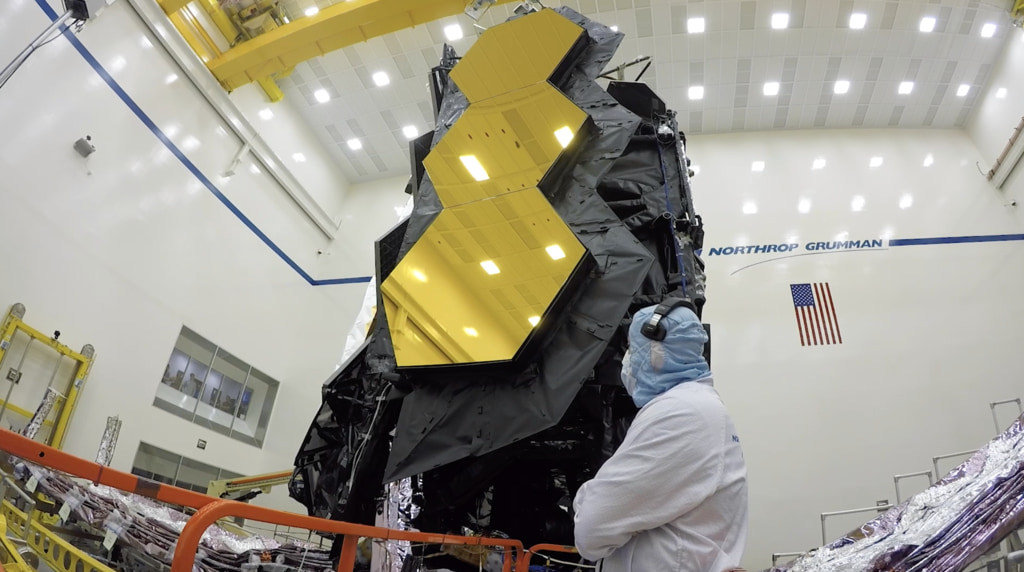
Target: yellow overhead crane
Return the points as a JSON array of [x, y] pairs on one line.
[[275, 48], [245, 488], [1018, 11]]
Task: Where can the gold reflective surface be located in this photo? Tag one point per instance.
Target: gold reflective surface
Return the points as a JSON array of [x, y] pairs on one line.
[[502, 145], [515, 54], [479, 279]]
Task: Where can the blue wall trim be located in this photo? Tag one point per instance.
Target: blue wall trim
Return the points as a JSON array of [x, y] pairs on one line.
[[134, 107], [955, 239]]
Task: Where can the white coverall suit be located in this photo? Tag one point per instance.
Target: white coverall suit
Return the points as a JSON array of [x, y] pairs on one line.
[[673, 497]]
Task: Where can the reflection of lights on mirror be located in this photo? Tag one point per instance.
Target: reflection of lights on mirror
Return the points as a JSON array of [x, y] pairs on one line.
[[804, 206], [876, 162], [419, 275], [410, 132], [988, 30], [757, 166], [555, 252], [906, 201], [490, 267], [857, 203], [470, 332], [534, 320], [564, 136], [312, 11], [381, 79], [322, 96], [819, 163], [474, 167], [749, 207], [928, 160]]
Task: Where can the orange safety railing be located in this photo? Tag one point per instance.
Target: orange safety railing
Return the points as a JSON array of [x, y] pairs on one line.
[[209, 510], [536, 550]]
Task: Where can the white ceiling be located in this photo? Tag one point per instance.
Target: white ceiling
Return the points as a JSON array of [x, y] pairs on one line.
[[737, 54]]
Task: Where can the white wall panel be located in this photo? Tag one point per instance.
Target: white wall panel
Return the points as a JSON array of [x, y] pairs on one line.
[[930, 333], [121, 249], [995, 117]]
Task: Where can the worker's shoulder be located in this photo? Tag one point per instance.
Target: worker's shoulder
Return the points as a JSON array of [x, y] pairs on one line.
[[688, 401]]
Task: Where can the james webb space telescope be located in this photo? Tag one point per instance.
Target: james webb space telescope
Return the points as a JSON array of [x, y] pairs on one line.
[[547, 210]]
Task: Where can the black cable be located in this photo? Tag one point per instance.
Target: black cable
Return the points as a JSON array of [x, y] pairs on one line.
[[59, 34]]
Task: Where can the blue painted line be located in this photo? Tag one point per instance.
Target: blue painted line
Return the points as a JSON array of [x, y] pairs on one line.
[[956, 239], [134, 107]]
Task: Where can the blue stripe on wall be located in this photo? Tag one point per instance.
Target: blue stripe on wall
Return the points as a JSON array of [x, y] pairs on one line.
[[134, 107], [955, 239]]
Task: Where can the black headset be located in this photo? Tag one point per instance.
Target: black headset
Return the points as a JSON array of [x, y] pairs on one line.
[[654, 329]]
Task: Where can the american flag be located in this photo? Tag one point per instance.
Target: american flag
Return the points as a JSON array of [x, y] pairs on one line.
[[815, 314]]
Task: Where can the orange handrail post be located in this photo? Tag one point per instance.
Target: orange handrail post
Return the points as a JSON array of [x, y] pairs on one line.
[[347, 560]]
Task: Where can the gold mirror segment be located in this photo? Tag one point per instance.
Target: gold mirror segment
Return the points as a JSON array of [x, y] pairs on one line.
[[506, 144], [527, 50], [480, 284]]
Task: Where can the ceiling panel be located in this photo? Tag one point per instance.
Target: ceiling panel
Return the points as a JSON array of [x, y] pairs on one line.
[[738, 52]]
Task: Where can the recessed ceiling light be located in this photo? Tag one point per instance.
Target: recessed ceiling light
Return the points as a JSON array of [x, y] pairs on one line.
[[564, 136], [988, 30], [1001, 93], [695, 25], [555, 252], [858, 20], [804, 206], [906, 201], [906, 87], [615, 28], [819, 163], [929, 160], [312, 11], [299, 158], [780, 20], [355, 144], [927, 24], [876, 161], [381, 79], [470, 332], [842, 86], [410, 132], [750, 207], [534, 320], [696, 92], [476, 170], [322, 96], [490, 267], [453, 32], [771, 88], [266, 113], [857, 203], [963, 90], [757, 166]]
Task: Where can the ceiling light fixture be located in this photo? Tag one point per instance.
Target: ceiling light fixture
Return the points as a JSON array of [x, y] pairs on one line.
[[819, 163], [929, 160], [696, 92], [906, 87], [381, 79], [963, 90], [780, 20], [555, 252], [804, 206], [322, 96], [266, 113], [757, 166], [927, 24], [614, 28], [171, 79], [312, 11], [355, 144], [490, 267], [842, 86], [771, 88], [410, 132], [906, 201], [876, 162], [564, 136], [750, 207], [857, 204], [1001, 93], [299, 158], [474, 167], [988, 30], [695, 25], [453, 32], [858, 20]]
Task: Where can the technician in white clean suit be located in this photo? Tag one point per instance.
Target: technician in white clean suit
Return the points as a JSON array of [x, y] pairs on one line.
[[673, 497]]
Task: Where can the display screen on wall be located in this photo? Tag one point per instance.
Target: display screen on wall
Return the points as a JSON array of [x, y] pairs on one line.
[[206, 385]]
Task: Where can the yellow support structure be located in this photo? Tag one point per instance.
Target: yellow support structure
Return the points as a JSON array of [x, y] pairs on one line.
[[58, 553], [10, 559], [337, 26], [1018, 10]]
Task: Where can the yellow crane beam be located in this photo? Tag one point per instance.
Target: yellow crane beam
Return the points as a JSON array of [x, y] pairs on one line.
[[1018, 9], [337, 26]]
